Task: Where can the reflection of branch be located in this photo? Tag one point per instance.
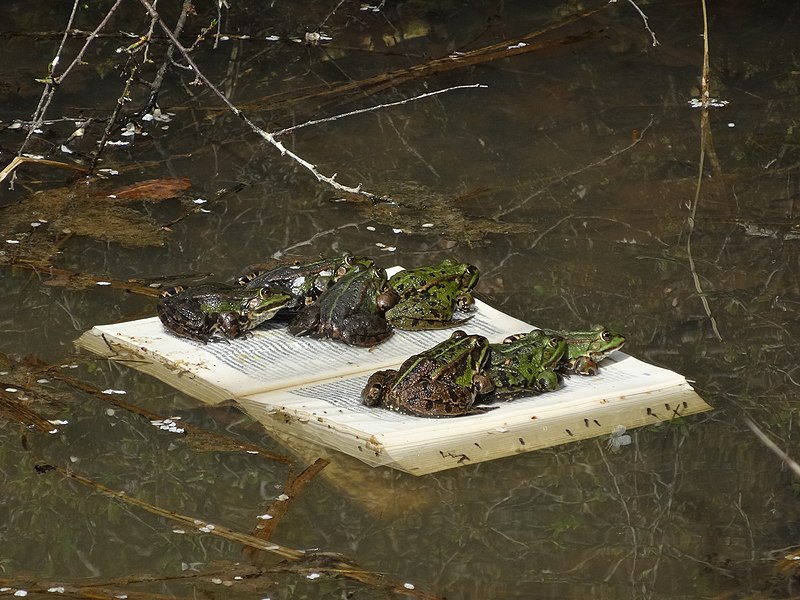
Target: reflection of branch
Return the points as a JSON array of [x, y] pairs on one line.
[[705, 141], [773, 446], [558, 179]]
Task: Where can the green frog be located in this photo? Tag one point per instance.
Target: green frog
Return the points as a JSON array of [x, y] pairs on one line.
[[426, 297], [305, 282], [587, 348], [440, 382], [217, 311], [527, 362], [350, 311]]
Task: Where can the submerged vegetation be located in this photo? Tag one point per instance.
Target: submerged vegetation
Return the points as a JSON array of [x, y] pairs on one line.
[[597, 160]]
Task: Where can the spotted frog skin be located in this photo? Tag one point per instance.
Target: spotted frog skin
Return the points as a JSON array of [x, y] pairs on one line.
[[526, 363], [440, 382], [426, 297], [305, 282], [585, 349], [350, 311], [217, 311]]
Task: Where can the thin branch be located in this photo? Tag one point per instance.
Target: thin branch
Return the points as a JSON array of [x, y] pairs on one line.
[[773, 446], [270, 138], [372, 108], [705, 136], [646, 24], [52, 81]]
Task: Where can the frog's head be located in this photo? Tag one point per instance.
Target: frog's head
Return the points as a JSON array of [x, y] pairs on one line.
[[377, 387], [604, 342]]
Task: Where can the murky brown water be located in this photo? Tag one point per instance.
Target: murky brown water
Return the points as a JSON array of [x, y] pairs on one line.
[[569, 180]]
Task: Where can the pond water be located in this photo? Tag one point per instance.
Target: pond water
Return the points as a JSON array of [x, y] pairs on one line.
[[571, 177]]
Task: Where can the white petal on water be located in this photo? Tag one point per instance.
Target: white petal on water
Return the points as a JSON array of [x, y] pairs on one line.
[[427, 225], [370, 228], [282, 497], [178, 531], [199, 201], [21, 593], [408, 586], [12, 241], [103, 283], [397, 230], [11, 390], [265, 517], [56, 590], [313, 576], [272, 38]]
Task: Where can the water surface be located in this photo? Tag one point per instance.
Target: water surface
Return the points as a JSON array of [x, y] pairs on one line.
[[569, 178]]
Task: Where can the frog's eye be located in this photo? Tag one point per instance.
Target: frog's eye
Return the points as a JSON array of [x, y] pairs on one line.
[[373, 395], [387, 299], [172, 291], [607, 336], [553, 342]]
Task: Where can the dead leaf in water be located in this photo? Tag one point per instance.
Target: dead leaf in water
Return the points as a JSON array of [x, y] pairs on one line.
[[154, 190]]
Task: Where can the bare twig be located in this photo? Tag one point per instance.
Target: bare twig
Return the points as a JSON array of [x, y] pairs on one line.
[[20, 160], [52, 81], [773, 446], [645, 20], [372, 108], [705, 141]]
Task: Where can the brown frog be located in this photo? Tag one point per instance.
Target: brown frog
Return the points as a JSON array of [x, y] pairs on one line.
[[440, 382]]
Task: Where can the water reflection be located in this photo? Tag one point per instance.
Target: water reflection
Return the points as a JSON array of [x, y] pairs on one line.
[[568, 181]]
